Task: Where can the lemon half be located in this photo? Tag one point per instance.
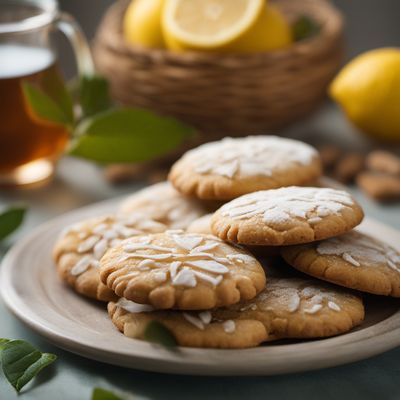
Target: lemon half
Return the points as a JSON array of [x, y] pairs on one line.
[[208, 24]]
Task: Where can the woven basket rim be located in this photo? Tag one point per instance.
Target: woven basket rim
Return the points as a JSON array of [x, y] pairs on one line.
[[331, 31]]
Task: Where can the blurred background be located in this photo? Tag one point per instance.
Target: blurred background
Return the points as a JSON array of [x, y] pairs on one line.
[[369, 23]]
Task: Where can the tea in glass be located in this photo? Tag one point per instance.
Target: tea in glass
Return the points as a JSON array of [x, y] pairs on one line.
[[25, 138], [29, 144]]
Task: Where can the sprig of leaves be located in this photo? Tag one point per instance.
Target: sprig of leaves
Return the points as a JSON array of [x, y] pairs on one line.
[[158, 333], [21, 361], [10, 220], [104, 133]]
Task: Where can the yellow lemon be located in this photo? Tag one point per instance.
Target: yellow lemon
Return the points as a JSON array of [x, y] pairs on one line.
[[208, 24], [270, 32], [368, 90], [142, 23]]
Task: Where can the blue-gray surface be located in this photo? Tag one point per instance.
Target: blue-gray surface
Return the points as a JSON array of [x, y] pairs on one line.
[[73, 377]]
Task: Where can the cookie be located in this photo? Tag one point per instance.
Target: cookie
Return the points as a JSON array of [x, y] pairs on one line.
[[201, 225], [161, 202], [190, 329], [79, 248], [286, 308], [229, 168], [354, 260], [286, 216], [181, 270], [295, 308]]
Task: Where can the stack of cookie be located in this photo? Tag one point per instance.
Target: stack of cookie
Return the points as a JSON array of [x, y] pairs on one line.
[[208, 277]]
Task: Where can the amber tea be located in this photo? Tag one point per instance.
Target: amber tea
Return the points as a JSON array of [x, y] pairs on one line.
[[25, 138]]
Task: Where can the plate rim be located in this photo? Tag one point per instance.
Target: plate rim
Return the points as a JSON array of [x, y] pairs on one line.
[[365, 343]]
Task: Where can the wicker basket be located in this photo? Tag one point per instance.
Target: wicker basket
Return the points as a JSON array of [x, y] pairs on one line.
[[225, 94]]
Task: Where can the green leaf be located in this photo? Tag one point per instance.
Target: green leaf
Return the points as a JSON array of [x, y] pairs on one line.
[[127, 135], [52, 83], [102, 394], [10, 220], [94, 95], [304, 27], [157, 333], [21, 362], [43, 106], [3, 342]]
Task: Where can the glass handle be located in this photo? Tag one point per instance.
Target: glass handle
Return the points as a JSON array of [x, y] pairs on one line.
[[70, 28]]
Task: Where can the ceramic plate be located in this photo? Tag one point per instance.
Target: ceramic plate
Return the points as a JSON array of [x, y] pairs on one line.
[[33, 292]]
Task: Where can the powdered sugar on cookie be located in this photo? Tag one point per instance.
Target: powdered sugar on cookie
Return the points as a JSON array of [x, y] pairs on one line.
[[359, 250], [249, 156], [190, 258], [297, 295], [96, 236], [282, 205]]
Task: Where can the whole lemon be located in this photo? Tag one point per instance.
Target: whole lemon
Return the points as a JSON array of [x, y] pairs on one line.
[[271, 31], [142, 23], [368, 90]]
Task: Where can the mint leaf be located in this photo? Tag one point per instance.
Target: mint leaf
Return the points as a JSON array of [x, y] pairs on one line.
[[102, 394], [94, 95], [304, 27], [21, 362], [157, 333], [127, 135], [10, 220], [43, 106]]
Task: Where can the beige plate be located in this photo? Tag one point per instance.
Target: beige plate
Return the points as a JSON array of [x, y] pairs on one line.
[[32, 291]]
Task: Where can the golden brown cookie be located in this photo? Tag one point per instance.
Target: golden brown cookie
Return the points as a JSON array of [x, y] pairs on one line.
[[299, 308], [354, 260], [230, 168], [286, 308], [286, 216], [190, 329], [181, 270], [161, 202], [203, 225], [79, 248]]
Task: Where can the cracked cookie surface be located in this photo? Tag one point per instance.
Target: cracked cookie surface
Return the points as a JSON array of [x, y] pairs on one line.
[[181, 270], [79, 248], [354, 260], [229, 168], [286, 216]]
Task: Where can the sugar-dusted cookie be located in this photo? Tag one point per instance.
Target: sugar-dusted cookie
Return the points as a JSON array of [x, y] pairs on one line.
[[79, 248], [201, 225], [353, 260], [163, 203], [286, 216], [191, 329], [181, 270], [230, 168], [299, 308]]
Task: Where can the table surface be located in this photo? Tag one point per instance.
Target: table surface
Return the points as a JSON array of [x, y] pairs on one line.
[[73, 377]]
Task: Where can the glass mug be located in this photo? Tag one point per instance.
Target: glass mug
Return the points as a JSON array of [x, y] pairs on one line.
[[30, 146]]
